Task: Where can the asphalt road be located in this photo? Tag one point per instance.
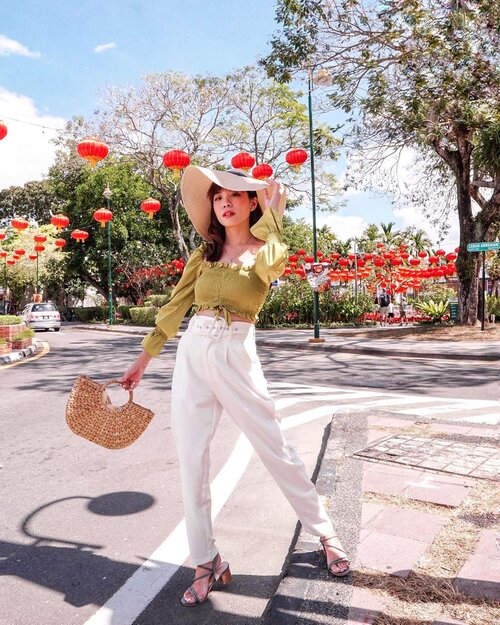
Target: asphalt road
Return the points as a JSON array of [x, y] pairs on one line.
[[79, 521]]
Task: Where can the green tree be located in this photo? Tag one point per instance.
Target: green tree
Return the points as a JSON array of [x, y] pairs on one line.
[[441, 59], [33, 201], [136, 241]]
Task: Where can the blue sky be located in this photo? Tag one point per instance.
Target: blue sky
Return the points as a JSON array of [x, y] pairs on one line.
[[55, 57]]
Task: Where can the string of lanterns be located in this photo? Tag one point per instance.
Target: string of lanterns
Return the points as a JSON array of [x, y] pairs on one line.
[[392, 269]]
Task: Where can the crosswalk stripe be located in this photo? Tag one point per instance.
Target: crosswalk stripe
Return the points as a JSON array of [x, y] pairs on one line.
[[292, 394]]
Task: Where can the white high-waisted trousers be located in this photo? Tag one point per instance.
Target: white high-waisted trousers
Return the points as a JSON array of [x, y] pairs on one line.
[[217, 368]]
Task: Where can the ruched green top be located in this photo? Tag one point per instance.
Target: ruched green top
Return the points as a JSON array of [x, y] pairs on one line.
[[223, 287]]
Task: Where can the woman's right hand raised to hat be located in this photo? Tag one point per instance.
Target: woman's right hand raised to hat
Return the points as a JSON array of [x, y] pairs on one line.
[[274, 192], [132, 376]]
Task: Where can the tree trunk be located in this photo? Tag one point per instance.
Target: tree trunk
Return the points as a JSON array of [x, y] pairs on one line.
[[467, 262], [176, 228]]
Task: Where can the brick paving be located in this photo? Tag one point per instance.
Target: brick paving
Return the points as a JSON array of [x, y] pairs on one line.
[[440, 454]]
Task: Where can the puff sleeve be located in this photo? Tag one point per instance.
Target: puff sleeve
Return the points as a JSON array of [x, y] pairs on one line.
[[170, 316], [271, 259]]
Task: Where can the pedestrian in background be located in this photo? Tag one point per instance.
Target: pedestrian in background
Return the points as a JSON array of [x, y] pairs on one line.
[[217, 368], [383, 300], [402, 309]]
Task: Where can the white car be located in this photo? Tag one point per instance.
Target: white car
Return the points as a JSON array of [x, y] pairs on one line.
[[42, 316]]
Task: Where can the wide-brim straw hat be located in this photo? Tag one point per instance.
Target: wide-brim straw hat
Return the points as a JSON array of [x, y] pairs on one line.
[[196, 182]]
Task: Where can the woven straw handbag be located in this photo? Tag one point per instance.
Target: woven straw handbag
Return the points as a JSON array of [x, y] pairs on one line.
[[91, 415]]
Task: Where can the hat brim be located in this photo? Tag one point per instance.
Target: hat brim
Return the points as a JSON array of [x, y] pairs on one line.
[[196, 182]]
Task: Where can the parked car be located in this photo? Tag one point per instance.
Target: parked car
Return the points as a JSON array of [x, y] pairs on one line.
[[42, 316]]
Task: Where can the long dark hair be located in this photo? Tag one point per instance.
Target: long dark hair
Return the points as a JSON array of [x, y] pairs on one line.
[[216, 231]]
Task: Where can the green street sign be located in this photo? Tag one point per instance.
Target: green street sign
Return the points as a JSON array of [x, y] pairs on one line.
[[483, 246]]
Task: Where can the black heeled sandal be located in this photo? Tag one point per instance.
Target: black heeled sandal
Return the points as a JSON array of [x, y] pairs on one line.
[[222, 573], [330, 563]]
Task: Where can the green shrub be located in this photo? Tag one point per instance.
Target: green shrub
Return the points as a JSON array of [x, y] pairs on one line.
[[25, 334], [144, 315], [291, 303], [124, 311], [159, 300], [2, 342], [493, 305], [91, 313], [10, 320], [435, 310]]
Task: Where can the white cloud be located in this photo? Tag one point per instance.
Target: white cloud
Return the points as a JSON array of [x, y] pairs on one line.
[[26, 153], [104, 46], [344, 226], [11, 46]]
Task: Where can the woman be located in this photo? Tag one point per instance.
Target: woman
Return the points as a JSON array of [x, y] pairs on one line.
[[217, 365]]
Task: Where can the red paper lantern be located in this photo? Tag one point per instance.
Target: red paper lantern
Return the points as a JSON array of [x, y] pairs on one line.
[[39, 238], [32, 256], [422, 254], [243, 160], [2, 236], [343, 262], [20, 252], [103, 215], [16, 256], [19, 223], [11, 262], [414, 262], [396, 262], [293, 258], [308, 259], [301, 252], [59, 221], [39, 248], [440, 253], [335, 255], [3, 130], [80, 236], [150, 206], [3, 254], [380, 245], [296, 158], [405, 255], [92, 150], [262, 171], [60, 243], [176, 160], [378, 262], [451, 256]]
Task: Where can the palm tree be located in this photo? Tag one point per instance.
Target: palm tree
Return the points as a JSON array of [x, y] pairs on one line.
[[418, 241], [389, 236]]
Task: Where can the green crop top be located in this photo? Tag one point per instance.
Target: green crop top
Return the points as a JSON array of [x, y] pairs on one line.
[[226, 288]]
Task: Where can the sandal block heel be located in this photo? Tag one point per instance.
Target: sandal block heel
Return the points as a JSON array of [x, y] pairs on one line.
[[226, 578]]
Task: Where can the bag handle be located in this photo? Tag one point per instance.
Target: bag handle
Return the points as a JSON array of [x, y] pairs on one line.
[[109, 383]]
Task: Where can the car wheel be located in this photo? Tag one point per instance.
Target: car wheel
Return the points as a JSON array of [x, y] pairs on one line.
[[56, 329]]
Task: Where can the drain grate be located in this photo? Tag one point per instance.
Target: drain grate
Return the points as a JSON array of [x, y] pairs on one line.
[[439, 454]]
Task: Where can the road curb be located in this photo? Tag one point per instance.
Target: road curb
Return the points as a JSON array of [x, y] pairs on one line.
[[395, 351], [306, 587], [20, 354]]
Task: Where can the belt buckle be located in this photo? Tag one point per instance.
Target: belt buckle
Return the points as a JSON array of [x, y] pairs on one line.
[[216, 330]]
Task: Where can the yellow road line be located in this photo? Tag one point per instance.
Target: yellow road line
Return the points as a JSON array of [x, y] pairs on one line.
[[45, 350]]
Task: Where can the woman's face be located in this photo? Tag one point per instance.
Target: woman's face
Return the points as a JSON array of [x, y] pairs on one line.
[[233, 208]]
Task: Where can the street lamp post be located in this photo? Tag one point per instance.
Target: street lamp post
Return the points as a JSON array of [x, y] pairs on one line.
[[108, 194], [313, 195]]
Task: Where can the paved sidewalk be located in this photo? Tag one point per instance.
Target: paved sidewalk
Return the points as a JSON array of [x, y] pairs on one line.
[[422, 542], [347, 341]]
